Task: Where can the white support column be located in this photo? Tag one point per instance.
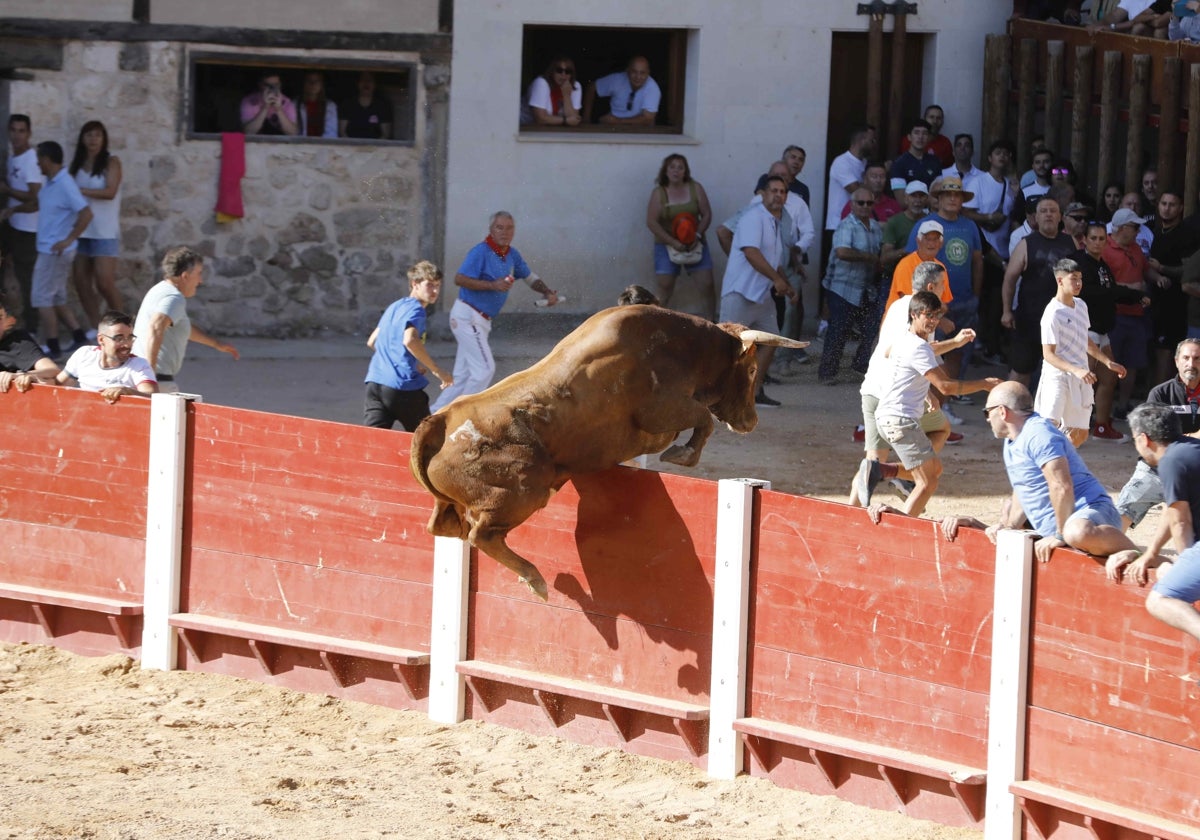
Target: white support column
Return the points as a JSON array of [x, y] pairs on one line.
[[448, 634], [731, 585], [164, 527], [1010, 670]]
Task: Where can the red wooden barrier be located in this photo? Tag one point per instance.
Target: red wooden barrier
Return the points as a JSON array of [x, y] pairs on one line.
[[1114, 706], [72, 519], [296, 526], [628, 557], [876, 634]]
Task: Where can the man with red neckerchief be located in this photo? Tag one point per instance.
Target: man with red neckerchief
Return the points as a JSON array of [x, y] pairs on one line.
[[484, 280]]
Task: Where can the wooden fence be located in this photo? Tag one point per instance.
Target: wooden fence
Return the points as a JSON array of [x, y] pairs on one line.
[[717, 623]]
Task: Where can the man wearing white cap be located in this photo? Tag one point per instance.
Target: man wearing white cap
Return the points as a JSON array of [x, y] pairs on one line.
[[929, 242], [962, 254]]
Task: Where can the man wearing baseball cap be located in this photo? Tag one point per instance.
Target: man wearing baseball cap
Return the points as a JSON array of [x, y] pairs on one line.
[[929, 242], [1130, 268], [962, 254]]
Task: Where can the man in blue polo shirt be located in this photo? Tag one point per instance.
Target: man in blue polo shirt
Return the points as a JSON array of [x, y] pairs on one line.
[[633, 96], [484, 280], [63, 215]]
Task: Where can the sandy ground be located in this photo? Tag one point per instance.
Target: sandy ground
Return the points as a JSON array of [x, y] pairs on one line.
[[97, 748]]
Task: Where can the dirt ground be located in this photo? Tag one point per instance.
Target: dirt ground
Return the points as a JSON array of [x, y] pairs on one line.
[[97, 748]]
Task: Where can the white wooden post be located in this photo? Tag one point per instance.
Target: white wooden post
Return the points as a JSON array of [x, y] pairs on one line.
[[164, 527], [1010, 666], [731, 584], [448, 628]]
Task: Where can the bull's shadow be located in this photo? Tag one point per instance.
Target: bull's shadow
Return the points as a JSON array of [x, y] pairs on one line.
[[639, 560]]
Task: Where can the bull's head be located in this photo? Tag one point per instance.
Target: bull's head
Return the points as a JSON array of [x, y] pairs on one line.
[[736, 405]]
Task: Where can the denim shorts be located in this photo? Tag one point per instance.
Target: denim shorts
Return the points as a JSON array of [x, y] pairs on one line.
[[1182, 580], [98, 248], [663, 264], [1104, 512]]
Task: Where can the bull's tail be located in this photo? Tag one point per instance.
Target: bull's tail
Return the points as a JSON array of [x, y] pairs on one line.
[[427, 442]]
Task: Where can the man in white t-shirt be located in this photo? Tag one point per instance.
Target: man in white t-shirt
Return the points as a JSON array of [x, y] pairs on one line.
[[846, 174], [110, 368], [995, 195], [18, 234], [914, 367]]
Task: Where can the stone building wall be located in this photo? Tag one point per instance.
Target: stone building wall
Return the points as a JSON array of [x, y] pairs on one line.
[[329, 228]]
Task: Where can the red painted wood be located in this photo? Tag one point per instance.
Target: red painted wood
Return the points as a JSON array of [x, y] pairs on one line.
[[879, 633], [334, 602], [1098, 655], [1124, 768], [74, 461], [902, 712], [324, 494], [72, 560]]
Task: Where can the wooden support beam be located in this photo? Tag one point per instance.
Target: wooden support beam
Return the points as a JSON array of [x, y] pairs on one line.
[[830, 765], [693, 732], [44, 613], [1139, 103], [1055, 70], [896, 91], [762, 750], [551, 705], [1110, 90], [1026, 99], [192, 640], [619, 718], [897, 781], [1081, 101], [264, 652], [1191, 175], [1168, 132], [875, 72], [480, 693], [997, 74]]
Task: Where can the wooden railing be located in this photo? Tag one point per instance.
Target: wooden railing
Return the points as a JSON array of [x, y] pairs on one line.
[[1111, 103]]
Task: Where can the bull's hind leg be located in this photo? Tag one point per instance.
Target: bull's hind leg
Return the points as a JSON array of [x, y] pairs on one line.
[[446, 521], [491, 541]]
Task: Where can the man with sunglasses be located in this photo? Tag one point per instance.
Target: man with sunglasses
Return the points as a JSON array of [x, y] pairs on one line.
[[110, 368], [633, 96], [850, 280]]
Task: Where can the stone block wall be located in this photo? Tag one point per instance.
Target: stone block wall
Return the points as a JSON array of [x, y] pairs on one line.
[[329, 228]]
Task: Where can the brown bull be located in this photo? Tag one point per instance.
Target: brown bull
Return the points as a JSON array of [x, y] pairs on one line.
[[623, 384]]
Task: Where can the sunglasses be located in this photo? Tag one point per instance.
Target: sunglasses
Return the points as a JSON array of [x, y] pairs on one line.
[[864, 203], [1060, 172], [989, 409], [570, 71]]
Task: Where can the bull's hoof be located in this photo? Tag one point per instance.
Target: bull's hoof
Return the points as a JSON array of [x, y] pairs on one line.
[[537, 585], [684, 456]]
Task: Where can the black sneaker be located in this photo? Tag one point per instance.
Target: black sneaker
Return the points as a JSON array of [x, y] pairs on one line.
[[763, 401], [768, 379], [865, 480]]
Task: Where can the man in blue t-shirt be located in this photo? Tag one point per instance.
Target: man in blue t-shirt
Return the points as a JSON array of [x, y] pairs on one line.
[[484, 280], [1159, 440], [396, 376], [1052, 487]]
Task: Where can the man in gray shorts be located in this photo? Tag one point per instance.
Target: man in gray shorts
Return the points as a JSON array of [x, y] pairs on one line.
[[752, 270], [915, 367]]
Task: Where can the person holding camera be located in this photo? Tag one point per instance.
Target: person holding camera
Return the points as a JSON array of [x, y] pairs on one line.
[[267, 110]]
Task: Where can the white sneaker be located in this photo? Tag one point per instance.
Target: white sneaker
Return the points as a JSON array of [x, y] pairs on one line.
[[954, 419], [821, 327]]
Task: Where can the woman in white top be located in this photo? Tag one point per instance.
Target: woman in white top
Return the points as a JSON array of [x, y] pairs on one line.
[[98, 175], [318, 113], [555, 97]]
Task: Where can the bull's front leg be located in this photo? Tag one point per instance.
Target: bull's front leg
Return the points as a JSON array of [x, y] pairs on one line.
[[677, 417], [491, 541]]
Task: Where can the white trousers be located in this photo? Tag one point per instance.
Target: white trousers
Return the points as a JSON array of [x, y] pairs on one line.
[[474, 365]]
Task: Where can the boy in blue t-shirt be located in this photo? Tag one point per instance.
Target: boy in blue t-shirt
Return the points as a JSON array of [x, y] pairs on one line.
[[396, 376]]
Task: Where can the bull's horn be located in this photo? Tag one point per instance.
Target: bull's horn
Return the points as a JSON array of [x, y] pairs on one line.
[[767, 339]]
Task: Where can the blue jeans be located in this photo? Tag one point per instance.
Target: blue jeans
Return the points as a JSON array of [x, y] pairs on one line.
[[843, 315]]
